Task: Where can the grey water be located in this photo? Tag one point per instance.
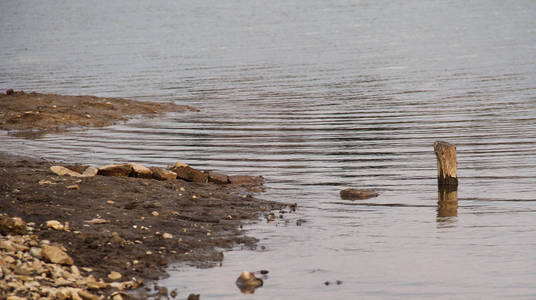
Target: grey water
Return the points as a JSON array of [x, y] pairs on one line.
[[316, 96]]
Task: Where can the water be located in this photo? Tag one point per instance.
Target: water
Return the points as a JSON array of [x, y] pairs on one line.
[[316, 96]]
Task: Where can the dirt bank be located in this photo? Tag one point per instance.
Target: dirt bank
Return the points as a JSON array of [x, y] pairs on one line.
[[133, 226], [33, 114]]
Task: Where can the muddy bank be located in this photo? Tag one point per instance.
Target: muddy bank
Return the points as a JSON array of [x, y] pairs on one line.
[[133, 226], [33, 114]]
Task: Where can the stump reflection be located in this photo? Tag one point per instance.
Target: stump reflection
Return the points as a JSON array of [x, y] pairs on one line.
[[447, 204]]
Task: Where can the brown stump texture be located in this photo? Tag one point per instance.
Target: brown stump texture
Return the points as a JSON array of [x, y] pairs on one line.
[[447, 166]]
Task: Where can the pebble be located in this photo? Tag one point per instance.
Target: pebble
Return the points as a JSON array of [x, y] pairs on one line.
[[114, 275], [155, 213], [56, 225], [167, 235]]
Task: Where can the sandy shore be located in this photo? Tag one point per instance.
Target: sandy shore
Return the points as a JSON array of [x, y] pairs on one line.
[[133, 226]]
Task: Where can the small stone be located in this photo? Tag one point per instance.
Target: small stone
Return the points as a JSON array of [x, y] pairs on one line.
[[162, 174], [56, 255], [73, 187], [10, 92], [193, 297], [14, 225], [167, 235], [87, 295], [149, 252], [115, 170], [63, 171], [357, 194], [111, 202], [90, 172], [155, 213], [36, 252], [114, 275], [96, 221], [44, 181], [173, 293], [56, 225]]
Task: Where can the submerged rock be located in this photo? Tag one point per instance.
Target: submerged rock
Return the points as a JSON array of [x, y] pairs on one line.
[[246, 179], [357, 194]]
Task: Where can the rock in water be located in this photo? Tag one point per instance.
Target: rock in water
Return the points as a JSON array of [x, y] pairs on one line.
[[56, 255], [247, 282], [217, 178], [115, 170], [13, 225], [188, 173], [247, 180], [357, 194]]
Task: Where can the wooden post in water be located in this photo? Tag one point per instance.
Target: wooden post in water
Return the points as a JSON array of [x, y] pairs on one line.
[[447, 202], [447, 166]]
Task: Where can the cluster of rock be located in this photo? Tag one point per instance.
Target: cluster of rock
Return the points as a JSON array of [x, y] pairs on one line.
[[31, 269], [178, 170]]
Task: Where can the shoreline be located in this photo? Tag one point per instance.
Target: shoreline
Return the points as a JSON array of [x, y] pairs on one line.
[[130, 225]]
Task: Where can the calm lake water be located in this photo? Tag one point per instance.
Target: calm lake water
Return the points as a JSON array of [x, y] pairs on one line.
[[316, 96]]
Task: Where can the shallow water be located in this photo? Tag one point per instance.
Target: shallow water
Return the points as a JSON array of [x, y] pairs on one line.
[[316, 96]]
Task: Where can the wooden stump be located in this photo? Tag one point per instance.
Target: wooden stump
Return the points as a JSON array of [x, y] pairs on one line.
[[447, 203], [447, 166]]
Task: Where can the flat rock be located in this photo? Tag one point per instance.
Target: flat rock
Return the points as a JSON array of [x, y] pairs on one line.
[[358, 194], [114, 275], [140, 171], [217, 178], [55, 255], [115, 170], [188, 173], [14, 225], [90, 172], [63, 171], [246, 179], [163, 174]]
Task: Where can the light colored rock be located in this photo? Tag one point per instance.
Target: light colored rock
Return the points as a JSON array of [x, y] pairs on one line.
[[54, 224], [44, 181], [12, 246], [114, 275], [115, 170], [177, 165], [63, 171], [96, 221], [56, 255], [87, 295], [155, 213], [36, 252], [141, 171], [247, 282], [162, 174], [73, 187], [90, 172], [167, 235], [15, 298]]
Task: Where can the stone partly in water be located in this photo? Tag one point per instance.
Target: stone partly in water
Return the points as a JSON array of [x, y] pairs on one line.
[[246, 180], [247, 282], [162, 174], [14, 225], [115, 170], [357, 194], [90, 172], [188, 173], [217, 178], [55, 255]]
